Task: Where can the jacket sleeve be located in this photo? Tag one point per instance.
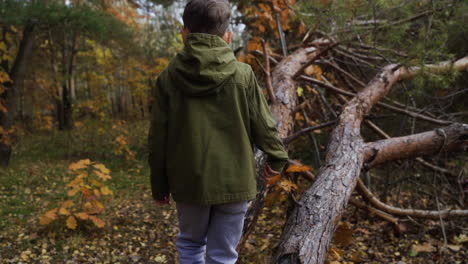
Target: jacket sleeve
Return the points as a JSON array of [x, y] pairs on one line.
[[263, 128], [157, 142]]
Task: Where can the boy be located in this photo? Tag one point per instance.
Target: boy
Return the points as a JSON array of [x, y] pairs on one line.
[[208, 111]]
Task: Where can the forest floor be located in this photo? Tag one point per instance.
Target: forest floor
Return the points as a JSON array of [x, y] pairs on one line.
[[137, 231]]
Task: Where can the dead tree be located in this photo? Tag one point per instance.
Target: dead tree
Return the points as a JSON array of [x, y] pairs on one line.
[[310, 227], [283, 103]]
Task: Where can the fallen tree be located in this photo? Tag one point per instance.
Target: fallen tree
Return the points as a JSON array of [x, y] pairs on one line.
[[309, 229], [282, 105]]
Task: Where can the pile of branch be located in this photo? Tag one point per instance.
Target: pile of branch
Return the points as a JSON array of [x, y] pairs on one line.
[[309, 229]]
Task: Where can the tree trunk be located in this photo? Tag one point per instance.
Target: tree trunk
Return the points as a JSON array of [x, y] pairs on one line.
[[9, 96], [310, 227], [283, 85], [68, 67]]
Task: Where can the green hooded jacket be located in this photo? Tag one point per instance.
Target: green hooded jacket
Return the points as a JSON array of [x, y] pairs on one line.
[[207, 114]]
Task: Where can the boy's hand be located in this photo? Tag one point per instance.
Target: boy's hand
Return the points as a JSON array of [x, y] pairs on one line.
[[268, 172], [164, 201]]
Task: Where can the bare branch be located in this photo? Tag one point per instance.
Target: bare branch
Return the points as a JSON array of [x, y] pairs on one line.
[[446, 213], [388, 106], [267, 74], [450, 138]]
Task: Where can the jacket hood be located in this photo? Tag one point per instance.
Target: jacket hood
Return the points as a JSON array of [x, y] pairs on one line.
[[204, 64]]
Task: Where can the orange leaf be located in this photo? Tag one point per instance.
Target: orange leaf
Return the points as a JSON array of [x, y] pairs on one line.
[[82, 215], [44, 220], [63, 211], [52, 214], [73, 191], [288, 186], [97, 221], [82, 164], [297, 168], [88, 206], [3, 108], [67, 203], [299, 116], [71, 222], [103, 176], [87, 193], [274, 179], [76, 182]]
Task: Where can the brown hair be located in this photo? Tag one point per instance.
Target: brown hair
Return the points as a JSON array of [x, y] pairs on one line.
[[207, 16]]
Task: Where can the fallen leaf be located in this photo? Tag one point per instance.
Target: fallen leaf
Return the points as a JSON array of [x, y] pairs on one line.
[[425, 247], [71, 222], [454, 247], [97, 221], [63, 211], [44, 220]]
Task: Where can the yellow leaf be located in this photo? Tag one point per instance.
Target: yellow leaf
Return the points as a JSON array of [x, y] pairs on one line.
[[4, 77], [73, 191], [297, 168], [9, 38], [82, 216], [44, 220], [288, 186], [103, 176], [71, 222], [97, 192], [462, 238], [67, 203], [76, 182], [97, 221], [102, 168], [98, 204], [82, 164], [88, 206], [3, 47], [63, 211], [105, 190], [96, 183], [299, 91]]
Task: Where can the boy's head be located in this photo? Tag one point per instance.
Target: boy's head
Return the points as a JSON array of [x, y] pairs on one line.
[[207, 16]]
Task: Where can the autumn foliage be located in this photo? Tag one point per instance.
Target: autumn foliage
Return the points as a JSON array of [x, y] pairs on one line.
[[85, 192]]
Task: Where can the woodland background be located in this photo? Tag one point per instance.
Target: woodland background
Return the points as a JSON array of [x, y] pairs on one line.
[[75, 80]]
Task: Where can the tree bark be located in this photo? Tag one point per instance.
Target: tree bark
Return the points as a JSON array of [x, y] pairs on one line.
[[309, 229], [69, 58], [285, 94], [450, 138], [9, 96]]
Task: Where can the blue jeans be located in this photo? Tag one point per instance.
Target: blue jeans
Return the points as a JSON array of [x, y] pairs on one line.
[[215, 229]]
